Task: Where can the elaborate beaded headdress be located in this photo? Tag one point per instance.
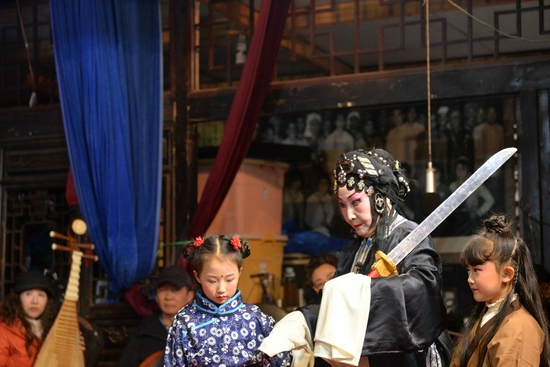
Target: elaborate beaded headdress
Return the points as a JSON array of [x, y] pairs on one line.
[[372, 171]]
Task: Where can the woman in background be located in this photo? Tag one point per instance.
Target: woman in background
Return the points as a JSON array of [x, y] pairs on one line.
[[319, 270], [26, 316]]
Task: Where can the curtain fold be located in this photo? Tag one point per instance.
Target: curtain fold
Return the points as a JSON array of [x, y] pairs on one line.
[[108, 59], [249, 97]]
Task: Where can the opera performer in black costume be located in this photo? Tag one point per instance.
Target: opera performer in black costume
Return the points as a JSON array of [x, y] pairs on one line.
[[395, 320]]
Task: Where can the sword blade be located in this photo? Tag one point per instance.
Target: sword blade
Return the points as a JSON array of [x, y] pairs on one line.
[[450, 204]]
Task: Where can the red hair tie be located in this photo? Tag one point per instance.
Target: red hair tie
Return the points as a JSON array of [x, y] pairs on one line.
[[198, 241], [236, 243]]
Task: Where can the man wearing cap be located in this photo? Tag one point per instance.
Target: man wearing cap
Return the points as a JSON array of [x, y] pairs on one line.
[[173, 291], [21, 337]]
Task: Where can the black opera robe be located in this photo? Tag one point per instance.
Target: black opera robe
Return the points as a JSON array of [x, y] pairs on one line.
[[407, 313]]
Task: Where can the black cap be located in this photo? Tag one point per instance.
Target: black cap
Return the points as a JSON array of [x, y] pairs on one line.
[[33, 280], [175, 275]]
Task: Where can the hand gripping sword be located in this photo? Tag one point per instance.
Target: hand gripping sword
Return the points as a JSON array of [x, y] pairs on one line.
[[447, 207]]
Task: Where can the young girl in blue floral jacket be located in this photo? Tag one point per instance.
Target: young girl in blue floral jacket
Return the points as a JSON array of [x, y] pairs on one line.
[[218, 328]]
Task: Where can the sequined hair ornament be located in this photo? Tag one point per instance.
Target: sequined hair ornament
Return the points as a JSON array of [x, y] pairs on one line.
[[372, 171]]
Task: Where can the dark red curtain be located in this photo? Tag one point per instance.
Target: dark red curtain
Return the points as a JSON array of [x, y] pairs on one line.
[[250, 95]]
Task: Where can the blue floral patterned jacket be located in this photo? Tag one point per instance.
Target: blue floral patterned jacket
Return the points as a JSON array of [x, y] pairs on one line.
[[227, 335]]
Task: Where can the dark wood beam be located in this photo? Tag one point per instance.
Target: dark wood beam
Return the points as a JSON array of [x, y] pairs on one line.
[[383, 88]]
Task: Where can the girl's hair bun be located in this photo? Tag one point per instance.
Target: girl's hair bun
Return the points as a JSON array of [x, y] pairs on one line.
[[497, 224], [245, 249]]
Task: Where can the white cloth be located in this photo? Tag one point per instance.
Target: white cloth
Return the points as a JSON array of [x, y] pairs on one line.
[[291, 333], [343, 318]]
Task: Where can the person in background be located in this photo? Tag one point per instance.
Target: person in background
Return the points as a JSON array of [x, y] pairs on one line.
[[312, 134], [319, 209], [353, 121], [26, 316], [338, 140], [218, 328], [292, 137], [173, 291], [489, 138], [402, 140], [459, 139], [319, 270], [293, 203], [373, 138], [508, 327], [466, 218]]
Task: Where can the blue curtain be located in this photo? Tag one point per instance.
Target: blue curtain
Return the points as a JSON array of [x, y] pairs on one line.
[[108, 58]]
